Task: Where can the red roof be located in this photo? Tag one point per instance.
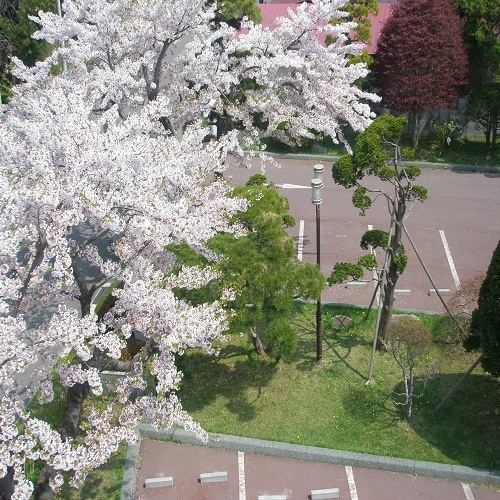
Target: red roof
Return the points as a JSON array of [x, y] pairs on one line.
[[270, 11], [378, 21]]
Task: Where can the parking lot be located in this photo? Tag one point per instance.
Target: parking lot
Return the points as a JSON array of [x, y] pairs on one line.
[[245, 476], [455, 230]]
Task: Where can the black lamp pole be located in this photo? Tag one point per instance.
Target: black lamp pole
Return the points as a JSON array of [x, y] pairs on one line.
[[317, 184]]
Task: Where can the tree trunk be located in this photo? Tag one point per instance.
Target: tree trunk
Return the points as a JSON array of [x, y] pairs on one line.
[[68, 428], [487, 133], [391, 280], [409, 397], [259, 348], [414, 131], [70, 419], [7, 485]]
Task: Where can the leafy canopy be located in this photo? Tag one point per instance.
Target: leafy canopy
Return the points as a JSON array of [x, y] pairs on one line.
[[421, 59], [376, 152], [262, 268], [481, 25]]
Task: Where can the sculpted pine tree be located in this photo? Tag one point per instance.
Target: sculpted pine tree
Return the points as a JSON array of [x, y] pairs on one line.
[[421, 60], [105, 165], [262, 268], [377, 153]]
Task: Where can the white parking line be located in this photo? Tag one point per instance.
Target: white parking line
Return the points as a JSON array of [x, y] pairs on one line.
[[467, 491], [300, 244], [450, 259], [352, 484], [241, 476]]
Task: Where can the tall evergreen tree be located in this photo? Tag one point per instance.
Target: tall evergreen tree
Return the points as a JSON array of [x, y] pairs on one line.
[[16, 30], [481, 29], [485, 325]]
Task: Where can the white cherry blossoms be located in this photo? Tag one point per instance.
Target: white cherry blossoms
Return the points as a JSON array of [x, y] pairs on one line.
[[104, 165]]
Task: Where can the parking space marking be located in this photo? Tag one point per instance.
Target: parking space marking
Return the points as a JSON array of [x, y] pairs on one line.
[[350, 481], [450, 259], [241, 476], [467, 491], [300, 244]]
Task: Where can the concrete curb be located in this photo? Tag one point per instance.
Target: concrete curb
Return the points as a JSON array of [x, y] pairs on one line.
[[457, 167], [364, 308], [306, 453]]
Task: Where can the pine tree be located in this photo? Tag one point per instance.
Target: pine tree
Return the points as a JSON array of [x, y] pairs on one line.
[[485, 326]]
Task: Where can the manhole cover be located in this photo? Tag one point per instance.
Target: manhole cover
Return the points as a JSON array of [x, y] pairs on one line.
[[341, 321]]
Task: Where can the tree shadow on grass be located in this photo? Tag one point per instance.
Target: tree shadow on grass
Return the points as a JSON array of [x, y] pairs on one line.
[[371, 404], [104, 482], [337, 343], [208, 377], [341, 345], [467, 427]]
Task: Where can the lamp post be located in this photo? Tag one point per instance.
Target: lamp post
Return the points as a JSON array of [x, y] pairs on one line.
[[317, 184]]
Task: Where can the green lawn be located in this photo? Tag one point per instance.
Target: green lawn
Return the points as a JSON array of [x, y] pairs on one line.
[[471, 152], [103, 483], [328, 405]]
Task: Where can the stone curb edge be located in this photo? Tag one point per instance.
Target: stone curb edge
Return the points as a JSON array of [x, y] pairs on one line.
[[422, 164], [301, 452], [364, 308]]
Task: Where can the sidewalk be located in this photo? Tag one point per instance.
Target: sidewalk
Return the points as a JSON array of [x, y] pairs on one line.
[[305, 454]]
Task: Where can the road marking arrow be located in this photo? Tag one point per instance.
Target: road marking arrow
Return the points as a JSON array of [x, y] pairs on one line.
[[292, 186]]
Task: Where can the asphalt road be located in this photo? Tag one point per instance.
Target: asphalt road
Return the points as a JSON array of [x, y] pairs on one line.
[[455, 230]]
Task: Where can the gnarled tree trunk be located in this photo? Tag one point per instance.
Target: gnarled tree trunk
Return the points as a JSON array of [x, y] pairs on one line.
[[68, 428], [259, 348]]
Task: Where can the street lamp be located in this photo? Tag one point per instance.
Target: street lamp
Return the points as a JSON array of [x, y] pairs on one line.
[[317, 184]]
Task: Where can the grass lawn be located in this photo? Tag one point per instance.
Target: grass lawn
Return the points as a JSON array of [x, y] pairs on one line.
[[471, 152], [328, 405], [102, 483]]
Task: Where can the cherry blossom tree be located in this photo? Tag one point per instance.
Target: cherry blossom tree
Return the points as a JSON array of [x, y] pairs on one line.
[[115, 153]]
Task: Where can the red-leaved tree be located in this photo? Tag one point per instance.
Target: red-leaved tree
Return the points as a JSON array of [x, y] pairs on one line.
[[421, 62]]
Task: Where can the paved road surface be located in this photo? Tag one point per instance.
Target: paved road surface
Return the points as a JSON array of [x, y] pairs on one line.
[[250, 476], [455, 230]]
